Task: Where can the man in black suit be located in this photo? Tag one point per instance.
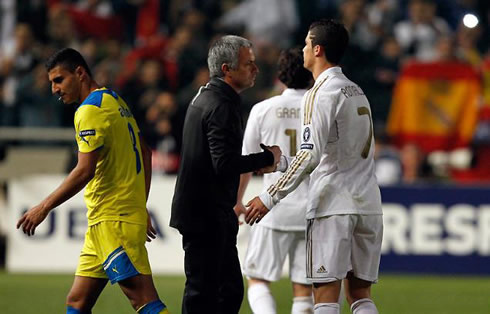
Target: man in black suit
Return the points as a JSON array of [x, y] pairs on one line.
[[208, 180]]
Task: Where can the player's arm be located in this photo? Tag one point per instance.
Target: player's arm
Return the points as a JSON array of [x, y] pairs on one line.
[[251, 144], [239, 207], [74, 183], [221, 135], [315, 135], [146, 154]]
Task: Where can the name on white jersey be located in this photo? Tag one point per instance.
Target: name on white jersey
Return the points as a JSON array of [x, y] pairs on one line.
[[351, 91], [288, 113]]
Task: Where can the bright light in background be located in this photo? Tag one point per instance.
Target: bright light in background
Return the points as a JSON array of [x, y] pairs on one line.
[[470, 20]]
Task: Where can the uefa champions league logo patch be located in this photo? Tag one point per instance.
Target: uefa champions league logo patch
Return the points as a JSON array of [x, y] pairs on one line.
[[306, 134]]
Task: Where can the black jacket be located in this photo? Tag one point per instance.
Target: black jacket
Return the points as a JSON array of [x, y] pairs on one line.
[[211, 164]]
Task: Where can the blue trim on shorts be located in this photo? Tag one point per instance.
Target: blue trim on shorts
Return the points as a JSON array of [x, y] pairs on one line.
[[154, 307], [70, 310], [118, 266]]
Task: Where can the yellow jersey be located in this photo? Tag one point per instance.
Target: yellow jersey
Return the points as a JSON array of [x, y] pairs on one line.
[[117, 192]]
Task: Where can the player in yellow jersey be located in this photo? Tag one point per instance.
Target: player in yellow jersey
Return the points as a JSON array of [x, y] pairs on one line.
[[114, 164]]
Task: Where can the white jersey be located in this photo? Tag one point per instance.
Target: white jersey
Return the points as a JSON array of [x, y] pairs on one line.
[[337, 149], [277, 121]]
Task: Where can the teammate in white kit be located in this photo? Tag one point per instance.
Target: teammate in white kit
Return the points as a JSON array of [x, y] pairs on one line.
[[282, 233], [344, 215]]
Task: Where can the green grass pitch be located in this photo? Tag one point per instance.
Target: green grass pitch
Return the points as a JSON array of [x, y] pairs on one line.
[[394, 294]]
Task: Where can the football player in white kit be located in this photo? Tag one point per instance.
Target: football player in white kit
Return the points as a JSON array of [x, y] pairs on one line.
[[344, 215], [282, 233]]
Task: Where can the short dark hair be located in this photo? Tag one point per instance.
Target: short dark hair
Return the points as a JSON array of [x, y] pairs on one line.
[[332, 36], [291, 70], [68, 58]]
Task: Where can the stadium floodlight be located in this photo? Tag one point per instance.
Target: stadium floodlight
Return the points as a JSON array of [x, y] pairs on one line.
[[470, 20]]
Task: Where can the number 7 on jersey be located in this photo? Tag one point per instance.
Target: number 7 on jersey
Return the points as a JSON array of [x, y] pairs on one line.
[[365, 111]]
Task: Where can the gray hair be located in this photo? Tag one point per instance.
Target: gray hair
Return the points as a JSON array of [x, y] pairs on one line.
[[225, 50]]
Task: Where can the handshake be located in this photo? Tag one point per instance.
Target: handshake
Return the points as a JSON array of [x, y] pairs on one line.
[[276, 151], [256, 208]]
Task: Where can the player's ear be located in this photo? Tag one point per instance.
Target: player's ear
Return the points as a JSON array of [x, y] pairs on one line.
[[225, 68], [80, 71], [318, 50]]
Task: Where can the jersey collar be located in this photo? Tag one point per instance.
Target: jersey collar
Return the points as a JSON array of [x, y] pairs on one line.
[[330, 71]]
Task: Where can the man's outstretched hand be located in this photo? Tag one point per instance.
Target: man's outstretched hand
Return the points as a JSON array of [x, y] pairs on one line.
[[151, 233], [32, 218], [256, 211]]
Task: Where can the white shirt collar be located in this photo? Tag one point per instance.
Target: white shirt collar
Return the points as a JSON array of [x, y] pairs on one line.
[[330, 71]]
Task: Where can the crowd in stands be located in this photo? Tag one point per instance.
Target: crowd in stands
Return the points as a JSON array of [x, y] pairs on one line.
[[153, 53]]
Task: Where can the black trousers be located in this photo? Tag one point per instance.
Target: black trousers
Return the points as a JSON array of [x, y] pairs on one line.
[[214, 278]]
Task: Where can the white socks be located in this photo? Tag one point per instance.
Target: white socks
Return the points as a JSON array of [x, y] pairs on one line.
[[302, 305], [364, 306], [260, 299], [327, 308]]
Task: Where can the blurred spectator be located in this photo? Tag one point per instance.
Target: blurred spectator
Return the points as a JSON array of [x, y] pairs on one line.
[[445, 49], [264, 21], [61, 32], [166, 50], [7, 22], [357, 61], [361, 33], [107, 70], [88, 49], [38, 106], [163, 130], [187, 93], [387, 159], [189, 46], [34, 13], [187, 50], [266, 60], [381, 15], [141, 90], [418, 34], [189, 11], [466, 41], [386, 71], [18, 58], [128, 12], [198, 22], [411, 158]]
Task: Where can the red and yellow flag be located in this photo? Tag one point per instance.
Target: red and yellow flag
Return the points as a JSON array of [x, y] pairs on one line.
[[435, 105]]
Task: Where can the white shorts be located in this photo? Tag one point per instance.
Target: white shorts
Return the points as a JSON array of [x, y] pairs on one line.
[[267, 251], [339, 244]]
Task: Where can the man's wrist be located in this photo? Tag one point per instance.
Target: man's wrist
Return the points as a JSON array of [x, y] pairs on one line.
[[267, 200], [283, 164], [269, 156]]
